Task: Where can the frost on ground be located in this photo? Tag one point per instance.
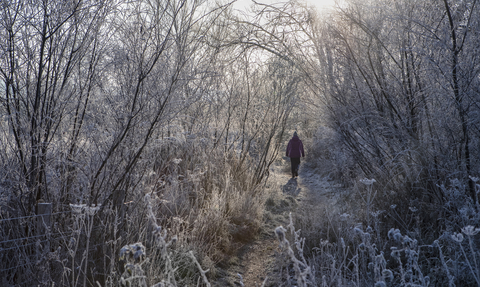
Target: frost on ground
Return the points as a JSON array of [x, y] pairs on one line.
[[261, 262], [338, 237]]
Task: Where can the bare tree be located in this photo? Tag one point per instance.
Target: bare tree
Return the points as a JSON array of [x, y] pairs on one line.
[[382, 98], [48, 67], [460, 20]]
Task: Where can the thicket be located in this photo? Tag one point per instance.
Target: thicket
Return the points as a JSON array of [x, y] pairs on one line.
[[397, 85], [401, 92], [146, 127], [150, 127]]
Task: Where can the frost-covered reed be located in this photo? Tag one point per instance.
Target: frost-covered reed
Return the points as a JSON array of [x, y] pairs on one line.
[[387, 247]]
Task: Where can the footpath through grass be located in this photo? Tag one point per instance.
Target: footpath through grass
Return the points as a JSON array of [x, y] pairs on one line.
[[307, 198]]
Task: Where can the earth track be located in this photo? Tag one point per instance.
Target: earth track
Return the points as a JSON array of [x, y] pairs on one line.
[[257, 262]]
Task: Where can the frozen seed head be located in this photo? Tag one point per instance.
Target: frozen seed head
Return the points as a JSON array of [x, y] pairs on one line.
[[458, 237], [394, 234], [380, 284], [358, 231], [427, 280], [77, 208], [377, 213], [367, 181], [395, 253], [361, 247], [344, 216], [138, 255], [91, 210], [470, 230], [83, 208], [387, 273], [133, 253], [411, 242]]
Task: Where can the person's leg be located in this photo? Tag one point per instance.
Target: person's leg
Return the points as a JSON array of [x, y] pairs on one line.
[[293, 166], [295, 162], [298, 167]]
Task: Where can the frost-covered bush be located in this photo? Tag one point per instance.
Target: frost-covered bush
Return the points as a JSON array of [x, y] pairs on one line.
[[325, 154], [295, 269], [133, 258], [203, 191], [393, 247]]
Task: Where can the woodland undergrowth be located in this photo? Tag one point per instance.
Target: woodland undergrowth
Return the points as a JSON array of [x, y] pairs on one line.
[[200, 208], [376, 237], [192, 211]]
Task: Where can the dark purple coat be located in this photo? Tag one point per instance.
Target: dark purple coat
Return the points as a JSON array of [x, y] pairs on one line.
[[295, 148]]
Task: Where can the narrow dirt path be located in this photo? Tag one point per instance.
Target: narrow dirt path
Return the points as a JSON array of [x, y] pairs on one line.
[[257, 262]]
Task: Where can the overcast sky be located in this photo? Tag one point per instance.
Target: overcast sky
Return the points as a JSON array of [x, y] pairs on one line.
[[318, 3]]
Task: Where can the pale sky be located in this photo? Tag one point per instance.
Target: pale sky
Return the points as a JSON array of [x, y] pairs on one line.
[[318, 3]]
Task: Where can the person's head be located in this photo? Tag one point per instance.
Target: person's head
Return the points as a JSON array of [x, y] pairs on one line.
[[295, 134]]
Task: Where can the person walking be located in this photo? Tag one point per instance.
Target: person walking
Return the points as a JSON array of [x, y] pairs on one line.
[[294, 152]]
